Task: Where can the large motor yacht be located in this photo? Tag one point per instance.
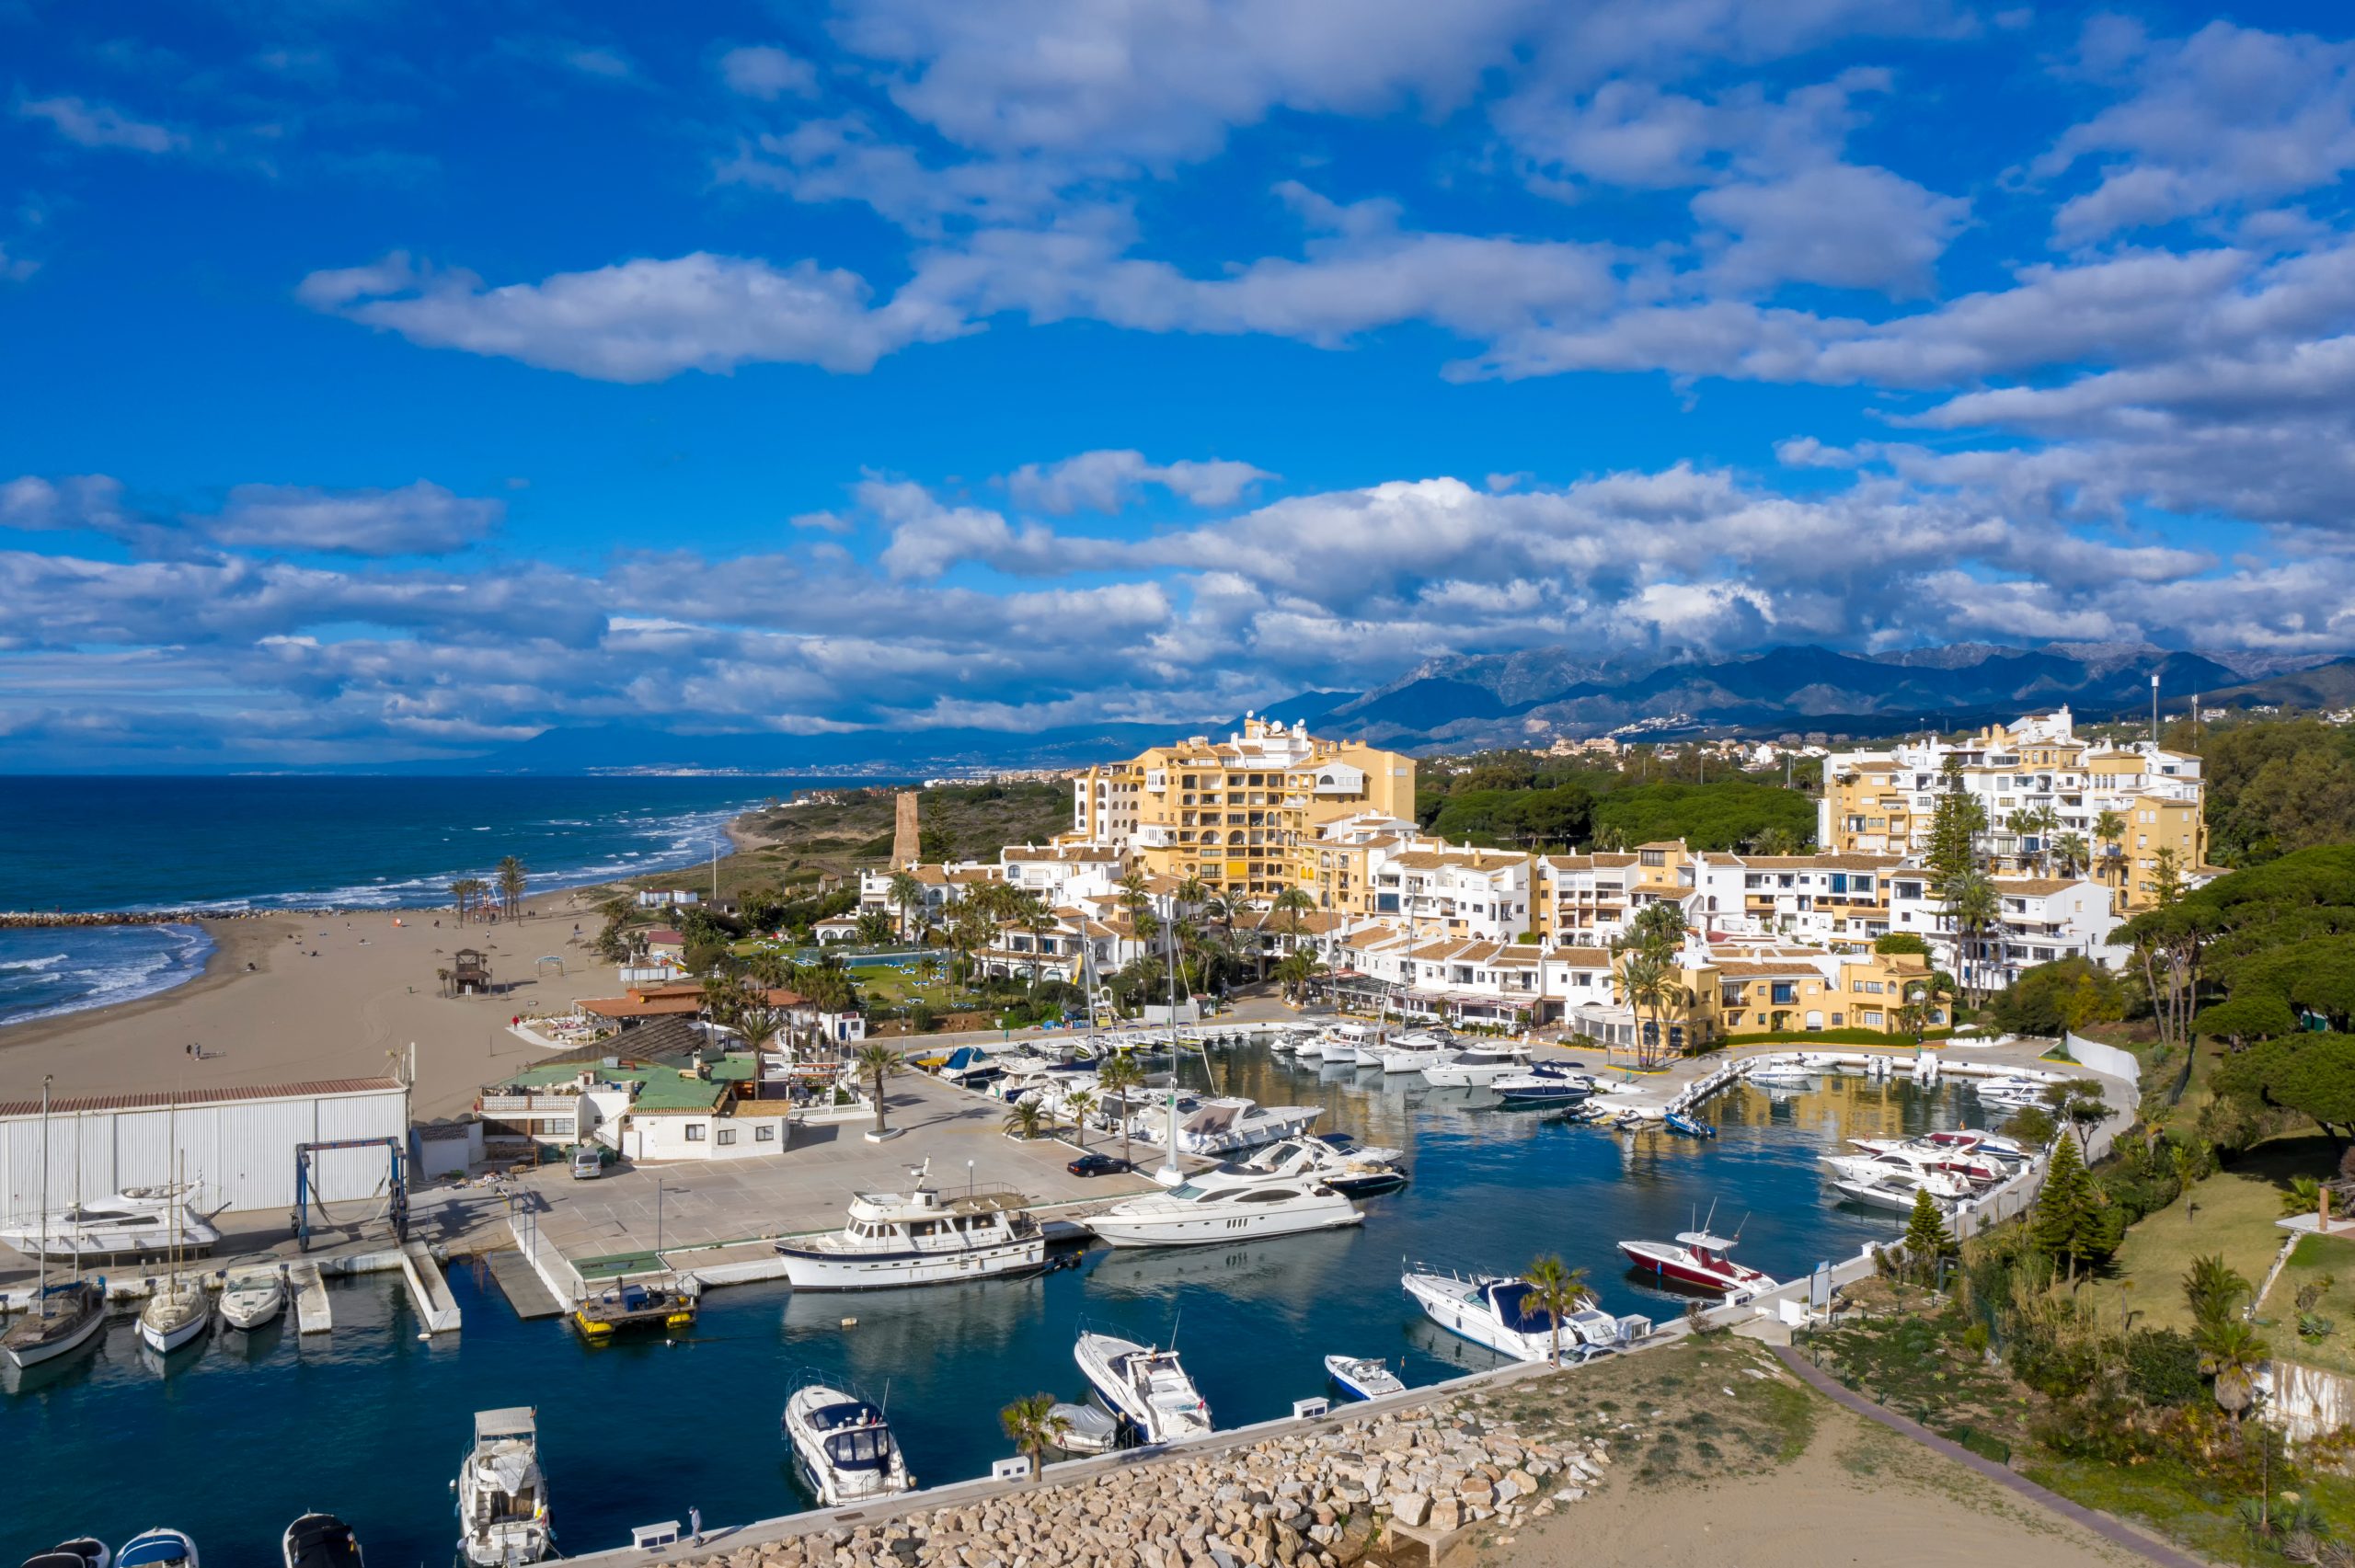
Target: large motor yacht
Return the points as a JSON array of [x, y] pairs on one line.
[[134, 1223], [1349, 1169], [502, 1497], [919, 1237], [1221, 1125], [1477, 1066], [1144, 1386], [1415, 1050], [1193, 1214], [1342, 1042]]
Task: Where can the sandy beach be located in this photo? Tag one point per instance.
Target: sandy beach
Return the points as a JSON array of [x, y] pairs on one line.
[[267, 1011]]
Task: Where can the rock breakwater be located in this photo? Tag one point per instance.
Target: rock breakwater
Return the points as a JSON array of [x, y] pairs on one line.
[[1388, 1488]]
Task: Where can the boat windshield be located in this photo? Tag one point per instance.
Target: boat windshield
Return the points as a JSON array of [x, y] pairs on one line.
[[868, 1447]]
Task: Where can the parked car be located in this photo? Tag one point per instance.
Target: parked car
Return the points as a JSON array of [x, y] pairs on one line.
[[1098, 1165], [587, 1163]]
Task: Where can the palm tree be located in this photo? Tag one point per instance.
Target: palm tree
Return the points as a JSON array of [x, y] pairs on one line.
[[967, 934], [875, 928], [2039, 822], [1026, 1120], [1651, 987], [2110, 830], [1135, 894], [1121, 1078], [1221, 910], [511, 884], [1555, 1290], [1079, 1101], [878, 1063], [906, 892], [459, 892], [2233, 1353], [1975, 907], [1033, 1427], [2073, 853], [1039, 922], [1289, 906]]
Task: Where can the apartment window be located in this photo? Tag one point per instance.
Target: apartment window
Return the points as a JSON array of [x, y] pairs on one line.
[[694, 1132], [764, 1133], [1785, 993], [726, 1136], [1652, 857]]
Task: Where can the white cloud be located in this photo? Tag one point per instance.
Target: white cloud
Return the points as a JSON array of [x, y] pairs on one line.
[[764, 72], [99, 125], [421, 518], [642, 320], [1839, 224], [1103, 481], [2225, 118]]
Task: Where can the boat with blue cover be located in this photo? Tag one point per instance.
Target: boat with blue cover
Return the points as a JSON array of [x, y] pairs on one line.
[[157, 1548], [1677, 1121]]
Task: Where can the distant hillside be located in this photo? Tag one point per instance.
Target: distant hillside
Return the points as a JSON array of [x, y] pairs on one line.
[[2328, 685]]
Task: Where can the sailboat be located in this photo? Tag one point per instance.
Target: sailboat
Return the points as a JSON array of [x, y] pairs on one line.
[[181, 1311], [64, 1316]]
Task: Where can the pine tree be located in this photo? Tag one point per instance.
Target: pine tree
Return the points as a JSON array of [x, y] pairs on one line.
[[1927, 1240], [2072, 1221], [1955, 823]]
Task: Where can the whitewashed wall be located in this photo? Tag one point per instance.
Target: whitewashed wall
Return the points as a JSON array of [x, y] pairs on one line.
[[239, 1152]]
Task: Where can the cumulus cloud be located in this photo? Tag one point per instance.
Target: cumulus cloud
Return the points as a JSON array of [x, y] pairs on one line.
[[1103, 481], [421, 518], [642, 320]]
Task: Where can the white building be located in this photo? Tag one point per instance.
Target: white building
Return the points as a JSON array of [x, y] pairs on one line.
[[1815, 898], [238, 1146], [2043, 918]]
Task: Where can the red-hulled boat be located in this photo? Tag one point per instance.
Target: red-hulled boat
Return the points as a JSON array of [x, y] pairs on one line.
[[1698, 1259]]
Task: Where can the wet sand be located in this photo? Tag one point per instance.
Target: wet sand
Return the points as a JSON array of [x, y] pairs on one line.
[[348, 1013]]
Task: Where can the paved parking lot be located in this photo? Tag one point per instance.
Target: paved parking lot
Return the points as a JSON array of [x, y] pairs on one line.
[[631, 1211]]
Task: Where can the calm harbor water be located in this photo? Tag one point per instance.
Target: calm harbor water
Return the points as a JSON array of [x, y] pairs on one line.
[[233, 1440]]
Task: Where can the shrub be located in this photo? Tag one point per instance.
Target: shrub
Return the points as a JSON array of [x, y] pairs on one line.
[[2162, 1368], [920, 1018]]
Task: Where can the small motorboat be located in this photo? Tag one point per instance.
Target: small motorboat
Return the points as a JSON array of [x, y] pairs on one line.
[[502, 1496], [252, 1298], [1542, 1085], [177, 1313], [1476, 1067], [82, 1552], [157, 1548], [1361, 1378], [1678, 1122], [1145, 1385], [843, 1447], [1083, 1428], [1342, 1042], [1895, 1191], [320, 1540], [1698, 1259], [1782, 1074], [630, 1307]]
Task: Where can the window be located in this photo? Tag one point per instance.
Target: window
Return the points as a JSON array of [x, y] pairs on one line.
[[1652, 857], [694, 1132], [726, 1136], [764, 1133]]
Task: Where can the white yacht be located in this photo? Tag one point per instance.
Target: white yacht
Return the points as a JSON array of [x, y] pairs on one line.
[[843, 1447], [1966, 1140], [134, 1223], [1958, 1170], [253, 1298], [502, 1497], [63, 1316], [1194, 1215], [1340, 1043], [1220, 1126], [1895, 1190], [1145, 1386], [1476, 1067], [919, 1237], [1414, 1051], [1494, 1310], [1350, 1169], [1782, 1072]]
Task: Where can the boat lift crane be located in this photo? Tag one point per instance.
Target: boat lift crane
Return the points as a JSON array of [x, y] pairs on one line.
[[306, 1185]]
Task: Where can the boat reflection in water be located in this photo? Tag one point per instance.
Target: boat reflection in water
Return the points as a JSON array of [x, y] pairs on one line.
[[1285, 1267]]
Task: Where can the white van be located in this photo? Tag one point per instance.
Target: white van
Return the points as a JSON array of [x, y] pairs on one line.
[[587, 1163]]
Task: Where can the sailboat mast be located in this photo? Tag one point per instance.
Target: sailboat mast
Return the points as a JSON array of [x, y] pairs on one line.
[[1168, 940], [42, 1299]]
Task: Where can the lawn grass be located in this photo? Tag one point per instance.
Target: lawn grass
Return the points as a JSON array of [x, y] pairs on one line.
[[2315, 1259], [2234, 1215]]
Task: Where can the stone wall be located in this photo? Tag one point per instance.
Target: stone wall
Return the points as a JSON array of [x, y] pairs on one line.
[[1389, 1486]]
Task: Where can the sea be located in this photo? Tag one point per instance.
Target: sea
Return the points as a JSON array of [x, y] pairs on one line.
[[240, 1432], [227, 844]]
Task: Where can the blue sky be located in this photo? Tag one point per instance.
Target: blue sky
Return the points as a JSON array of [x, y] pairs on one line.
[[385, 382]]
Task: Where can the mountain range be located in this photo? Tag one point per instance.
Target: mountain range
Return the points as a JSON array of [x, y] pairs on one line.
[[1462, 703]]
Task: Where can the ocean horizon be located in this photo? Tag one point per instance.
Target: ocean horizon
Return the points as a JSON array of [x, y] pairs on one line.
[[232, 844]]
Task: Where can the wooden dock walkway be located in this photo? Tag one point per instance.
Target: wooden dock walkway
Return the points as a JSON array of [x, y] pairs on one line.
[[522, 1284], [311, 1314]]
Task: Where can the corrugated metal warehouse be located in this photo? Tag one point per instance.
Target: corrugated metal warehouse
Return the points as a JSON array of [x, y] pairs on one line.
[[239, 1143]]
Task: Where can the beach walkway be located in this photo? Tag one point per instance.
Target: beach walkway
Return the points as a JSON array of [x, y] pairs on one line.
[[2108, 1528]]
